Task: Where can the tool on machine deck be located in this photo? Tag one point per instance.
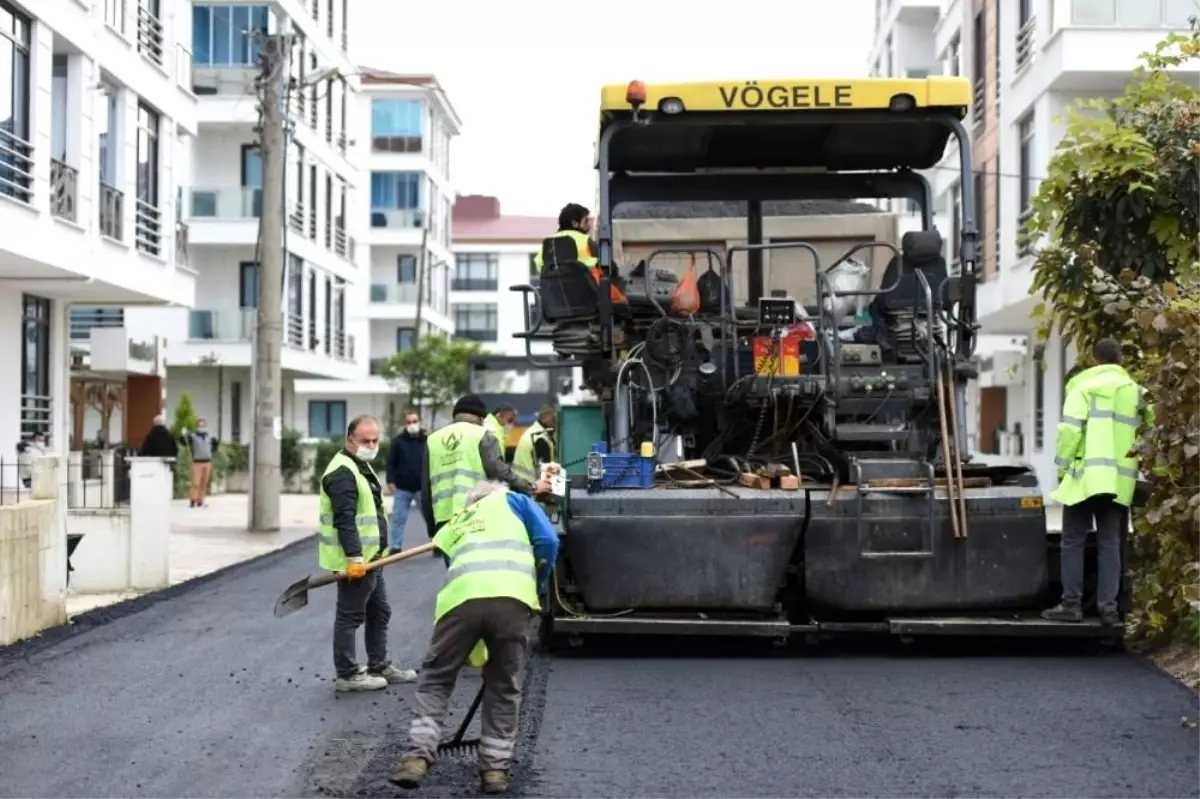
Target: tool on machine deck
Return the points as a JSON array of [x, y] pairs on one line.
[[457, 745], [295, 596]]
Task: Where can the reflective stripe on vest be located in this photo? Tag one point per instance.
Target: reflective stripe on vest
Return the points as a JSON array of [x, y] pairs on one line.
[[454, 467], [366, 520], [524, 462], [490, 556]]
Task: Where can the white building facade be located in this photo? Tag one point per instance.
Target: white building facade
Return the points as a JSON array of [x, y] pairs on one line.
[[95, 110], [403, 126]]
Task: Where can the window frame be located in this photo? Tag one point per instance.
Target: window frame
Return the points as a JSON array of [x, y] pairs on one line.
[[476, 271], [37, 402], [327, 408], [19, 35], [149, 151], [462, 313]]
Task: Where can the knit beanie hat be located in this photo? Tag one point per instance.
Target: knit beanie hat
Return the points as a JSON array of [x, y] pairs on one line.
[[471, 404]]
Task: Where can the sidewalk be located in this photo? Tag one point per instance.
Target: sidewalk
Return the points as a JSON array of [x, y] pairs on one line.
[[204, 540]]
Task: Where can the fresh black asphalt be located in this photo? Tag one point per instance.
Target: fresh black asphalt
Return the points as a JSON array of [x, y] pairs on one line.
[[203, 693]]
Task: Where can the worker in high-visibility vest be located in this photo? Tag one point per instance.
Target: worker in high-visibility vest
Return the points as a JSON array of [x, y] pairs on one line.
[[352, 521], [572, 244], [499, 550], [457, 457], [536, 446], [1103, 410], [499, 422]]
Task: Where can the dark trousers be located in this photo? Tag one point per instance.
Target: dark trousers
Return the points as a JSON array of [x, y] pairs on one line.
[[361, 602], [504, 626], [1111, 522]]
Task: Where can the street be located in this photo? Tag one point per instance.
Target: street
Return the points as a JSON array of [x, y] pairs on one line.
[[201, 692]]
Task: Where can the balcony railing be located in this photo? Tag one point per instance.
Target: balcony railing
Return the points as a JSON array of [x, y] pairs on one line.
[[342, 142], [149, 36], [226, 203], [1025, 42], [479, 334], [181, 242], [329, 129], [204, 325], [394, 293], [396, 144], [1024, 244], [977, 103], [312, 225], [16, 166], [342, 243], [293, 330], [313, 111], [64, 190], [397, 218], [147, 232], [82, 320], [183, 67], [112, 212], [296, 219], [343, 346], [474, 284]]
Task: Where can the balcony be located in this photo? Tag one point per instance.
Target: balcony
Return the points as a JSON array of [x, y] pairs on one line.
[[239, 202], [82, 320], [397, 218], [149, 36], [296, 219], [64, 190], [1026, 43], [343, 346], [16, 167], [182, 235], [474, 284], [394, 293], [204, 325], [412, 145], [112, 212], [977, 103], [293, 330], [343, 244], [147, 231]]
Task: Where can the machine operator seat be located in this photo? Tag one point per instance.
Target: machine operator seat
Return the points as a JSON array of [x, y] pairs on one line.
[[905, 304], [567, 289]]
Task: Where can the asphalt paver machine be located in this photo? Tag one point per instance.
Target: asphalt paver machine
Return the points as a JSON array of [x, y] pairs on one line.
[[808, 469]]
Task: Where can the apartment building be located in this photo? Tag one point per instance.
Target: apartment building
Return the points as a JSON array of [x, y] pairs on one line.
[[221, 199], [95, 109], [405, 242]]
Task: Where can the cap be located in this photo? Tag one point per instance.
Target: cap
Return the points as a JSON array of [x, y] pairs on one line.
[[469, 403]]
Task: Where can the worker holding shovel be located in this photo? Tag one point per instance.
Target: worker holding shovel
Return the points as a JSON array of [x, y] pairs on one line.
[[492, 548]]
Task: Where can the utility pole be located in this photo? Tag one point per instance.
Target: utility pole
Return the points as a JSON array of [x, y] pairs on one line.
[[266, 479], [417, 398]]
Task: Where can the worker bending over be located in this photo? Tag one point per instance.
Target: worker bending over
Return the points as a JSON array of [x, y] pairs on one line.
[[572, 244], [536, 446], [499, 550], [499, 422], [460, 455], [1097, 473], [352, 520]]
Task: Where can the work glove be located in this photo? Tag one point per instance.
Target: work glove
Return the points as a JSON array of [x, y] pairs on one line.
[[356, 569]]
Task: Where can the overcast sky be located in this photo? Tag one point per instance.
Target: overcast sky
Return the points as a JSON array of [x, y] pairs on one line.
[[525, 77]]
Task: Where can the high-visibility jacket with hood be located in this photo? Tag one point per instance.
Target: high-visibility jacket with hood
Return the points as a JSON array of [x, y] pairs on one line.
[[1097, 434], [524, 460], [496, 428]]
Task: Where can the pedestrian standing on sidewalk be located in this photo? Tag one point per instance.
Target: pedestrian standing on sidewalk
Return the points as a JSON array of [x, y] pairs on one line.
[[352, 519], [499, 550], [1094, 448], [159, 443], [405, 456], [204, 446]]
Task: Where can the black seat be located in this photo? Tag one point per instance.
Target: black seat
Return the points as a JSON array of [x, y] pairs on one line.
[[568, 293], [922, 250]]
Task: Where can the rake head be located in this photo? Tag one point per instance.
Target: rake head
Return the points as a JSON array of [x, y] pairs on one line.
[[455, 747]]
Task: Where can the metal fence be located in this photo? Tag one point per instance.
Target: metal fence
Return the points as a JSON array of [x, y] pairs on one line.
[[16, 480], [100, 480]]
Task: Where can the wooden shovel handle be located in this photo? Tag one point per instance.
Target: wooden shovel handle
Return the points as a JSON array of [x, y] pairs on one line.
[[326, 579]]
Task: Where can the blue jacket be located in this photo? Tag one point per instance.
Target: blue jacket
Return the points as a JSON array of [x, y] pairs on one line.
[[405, 456], [542, 535]]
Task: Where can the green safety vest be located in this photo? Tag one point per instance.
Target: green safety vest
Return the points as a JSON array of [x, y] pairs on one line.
[[524, 461], [490, 556], [329, 549], [454, 467], [582, 247], [493, 425], [1096, 436]]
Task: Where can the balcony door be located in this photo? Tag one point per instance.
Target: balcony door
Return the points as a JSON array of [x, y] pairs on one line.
[[252, 178]]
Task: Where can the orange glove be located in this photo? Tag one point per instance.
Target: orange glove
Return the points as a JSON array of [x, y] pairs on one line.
[[356, 569]]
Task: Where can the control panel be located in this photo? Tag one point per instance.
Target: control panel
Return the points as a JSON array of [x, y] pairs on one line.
[[776, 311], [662, 285]]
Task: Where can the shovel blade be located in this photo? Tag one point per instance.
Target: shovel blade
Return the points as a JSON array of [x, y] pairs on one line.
[[294, 598]]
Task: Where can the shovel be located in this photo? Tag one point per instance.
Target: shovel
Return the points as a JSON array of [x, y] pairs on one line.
[[296, 596]]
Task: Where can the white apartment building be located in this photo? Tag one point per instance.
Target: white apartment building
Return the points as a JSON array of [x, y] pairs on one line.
[[402, 128], [95, 110], [212, 344], [1030, 60]]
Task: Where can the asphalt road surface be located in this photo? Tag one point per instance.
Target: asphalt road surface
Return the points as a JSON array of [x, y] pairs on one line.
[[203, 693]]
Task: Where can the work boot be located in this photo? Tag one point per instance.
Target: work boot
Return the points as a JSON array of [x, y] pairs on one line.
[[1111, 618], [493, 781], [393, 675], [360, 681], [410, 772], [1061, 612]]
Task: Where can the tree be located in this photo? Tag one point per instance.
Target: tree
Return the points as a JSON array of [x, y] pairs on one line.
[[433, 372], [185, 416], [1116, 226]]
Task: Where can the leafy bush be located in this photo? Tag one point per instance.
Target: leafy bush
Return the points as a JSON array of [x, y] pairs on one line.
[[291, 454], [237, 457], [185, 416], [1118, 227], [182, 474]]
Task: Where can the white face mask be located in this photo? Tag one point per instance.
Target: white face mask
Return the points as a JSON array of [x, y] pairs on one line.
[[366, 454], [413, 429]]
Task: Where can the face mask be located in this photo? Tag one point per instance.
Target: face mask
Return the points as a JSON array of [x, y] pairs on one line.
[[413, 429], [366, 454]]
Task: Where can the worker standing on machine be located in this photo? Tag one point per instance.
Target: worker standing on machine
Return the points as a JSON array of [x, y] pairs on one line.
[[1097, 471], [572, 243], [499, 422], [536, 446], [460, 455], [493, 549]]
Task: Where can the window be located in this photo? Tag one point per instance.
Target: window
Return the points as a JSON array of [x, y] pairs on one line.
[[996, 207], [147, 216], [16, 162], [954, 56], [327, 418], [328, 315], [252, 172], [978, 66], [980, 198], [475, 321], [235, 411], [475, 271], [1024, 32], [396, 200], [404, 338], [248, 284], [406, 269], [295, 286], [107, 124], [150, 30], [396, 125], [114, 15], [228, 36], [35, 365], [1133, 13], [1025, 175]]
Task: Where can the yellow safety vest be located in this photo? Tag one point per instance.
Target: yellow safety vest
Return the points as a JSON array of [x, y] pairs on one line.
[[582, 246], [493, 426], [1096, 436], [329, 549], [454, 467], [490, 556], [524, 461]]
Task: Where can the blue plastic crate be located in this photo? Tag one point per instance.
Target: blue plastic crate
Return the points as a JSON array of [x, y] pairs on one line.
[[625, 469]]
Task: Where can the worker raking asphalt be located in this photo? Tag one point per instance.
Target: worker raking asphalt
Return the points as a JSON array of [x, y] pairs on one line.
[[204, 693]]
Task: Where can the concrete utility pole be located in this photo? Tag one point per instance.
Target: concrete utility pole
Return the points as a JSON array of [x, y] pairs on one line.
[[266, 478]]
